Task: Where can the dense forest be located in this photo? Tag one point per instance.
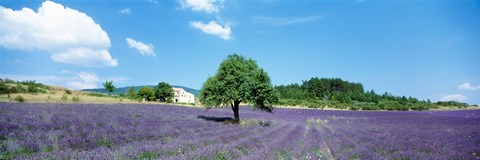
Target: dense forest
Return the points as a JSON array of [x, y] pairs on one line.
[[335, 92]]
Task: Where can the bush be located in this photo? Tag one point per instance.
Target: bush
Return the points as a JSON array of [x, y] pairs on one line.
[[19, 98], [32, 88], [94, 94], [9, 81], [76, 99], [68, 91], [64, 98], [4, 88], [19, 89]]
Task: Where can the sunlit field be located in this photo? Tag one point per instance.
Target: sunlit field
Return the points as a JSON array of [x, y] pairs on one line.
[[136, 131]]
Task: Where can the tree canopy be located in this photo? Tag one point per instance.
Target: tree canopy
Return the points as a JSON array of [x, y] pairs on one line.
[[164, 92], [147, 93], [131, 91], [318, 92], [109, 86], [237, 80]]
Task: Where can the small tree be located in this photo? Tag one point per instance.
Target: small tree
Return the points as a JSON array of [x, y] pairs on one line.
[[239, 80], [147, 93], [109, 87], [164, 92], [131, 91]]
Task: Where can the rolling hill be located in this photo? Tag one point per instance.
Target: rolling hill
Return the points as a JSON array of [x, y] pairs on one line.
[[117, 91]]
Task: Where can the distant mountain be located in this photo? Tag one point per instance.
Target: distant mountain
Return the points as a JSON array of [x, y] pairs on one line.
[[124, 90]]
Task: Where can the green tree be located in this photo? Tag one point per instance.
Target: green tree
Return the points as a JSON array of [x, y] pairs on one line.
[[164, 92], [147, 93], [239, 80], [4, 88], [109, 87], [131, 91]]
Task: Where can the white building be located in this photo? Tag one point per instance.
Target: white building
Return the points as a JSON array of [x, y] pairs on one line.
[[182, 96]]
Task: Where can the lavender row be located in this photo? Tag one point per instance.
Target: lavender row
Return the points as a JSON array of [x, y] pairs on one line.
[[122, 131]]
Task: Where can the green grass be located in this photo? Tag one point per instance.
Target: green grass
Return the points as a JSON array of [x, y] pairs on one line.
[[148, 155]]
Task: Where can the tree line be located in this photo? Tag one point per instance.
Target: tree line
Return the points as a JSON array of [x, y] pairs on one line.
[[163, 92], [338, 93]]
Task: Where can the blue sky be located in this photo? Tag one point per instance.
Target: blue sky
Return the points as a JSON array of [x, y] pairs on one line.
[[425, 49]]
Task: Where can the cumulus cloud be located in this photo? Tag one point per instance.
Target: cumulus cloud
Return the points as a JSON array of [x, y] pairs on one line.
[[213, 28], [209, 6], [468, 86], [142, 48], [125, 11], [71, 36], [84, 80], [454, 97]]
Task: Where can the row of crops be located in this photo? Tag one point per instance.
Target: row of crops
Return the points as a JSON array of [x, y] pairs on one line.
[[123, 131]]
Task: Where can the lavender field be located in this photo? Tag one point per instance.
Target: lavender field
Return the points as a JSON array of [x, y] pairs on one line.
[[122, 131]]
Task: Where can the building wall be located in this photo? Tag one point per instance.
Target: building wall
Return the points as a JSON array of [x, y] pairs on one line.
[[182, 96]]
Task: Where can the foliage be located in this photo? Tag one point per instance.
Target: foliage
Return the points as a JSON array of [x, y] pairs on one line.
[[136, 88], [64, 98], [94, 94], [335, 92], [452, 103], [131, 92], [11, 86], [147, 155], [164, 92], [109, 87], [4, 88], [75, 99], [147, 93], [19, 98], [67, 91], [239, 80]]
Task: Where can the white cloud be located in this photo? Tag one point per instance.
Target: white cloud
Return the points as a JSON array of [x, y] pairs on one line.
[[69, 35], [84, 80], [468, 86], [454, 97], [209, 6], [283, 20], [144, 49], [213, 28], [84, 57], [125, 11]]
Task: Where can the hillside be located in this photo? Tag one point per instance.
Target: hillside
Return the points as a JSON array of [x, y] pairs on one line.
[[124, 90]]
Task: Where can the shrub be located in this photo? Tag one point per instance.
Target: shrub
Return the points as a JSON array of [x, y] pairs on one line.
[[354, 108], [20, 89], [9, 81], [64, 98], [96, 94], [32, 88], [19, 98], [3, 88], [68, 91], [76, 99]]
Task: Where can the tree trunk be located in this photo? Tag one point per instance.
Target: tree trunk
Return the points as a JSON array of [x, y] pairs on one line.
[[235, 109]]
